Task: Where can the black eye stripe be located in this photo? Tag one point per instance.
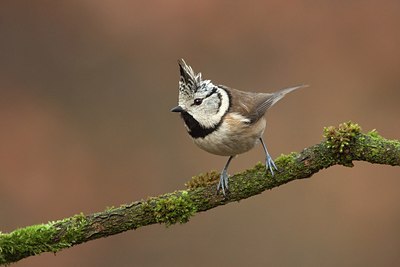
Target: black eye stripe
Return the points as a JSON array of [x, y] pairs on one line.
[[213, 91], [198, 101]]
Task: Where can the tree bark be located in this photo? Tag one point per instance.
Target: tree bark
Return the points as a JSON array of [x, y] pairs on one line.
[[342, 145]]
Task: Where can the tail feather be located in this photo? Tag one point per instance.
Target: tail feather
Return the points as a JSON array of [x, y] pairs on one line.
[[275, 97]]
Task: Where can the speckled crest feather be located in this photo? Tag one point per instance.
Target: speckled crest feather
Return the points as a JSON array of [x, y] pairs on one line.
[[190, 82]]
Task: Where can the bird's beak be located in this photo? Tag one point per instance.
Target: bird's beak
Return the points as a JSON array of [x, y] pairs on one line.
[[177, 109]]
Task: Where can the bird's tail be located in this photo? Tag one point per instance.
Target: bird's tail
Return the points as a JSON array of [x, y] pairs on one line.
[[278, 95]]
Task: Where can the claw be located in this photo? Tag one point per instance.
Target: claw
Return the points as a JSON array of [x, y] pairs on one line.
[[223, 179], [223, 182], [269, 163]]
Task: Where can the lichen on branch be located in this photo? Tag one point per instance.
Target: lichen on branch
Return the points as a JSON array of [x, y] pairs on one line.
[[342, 145]]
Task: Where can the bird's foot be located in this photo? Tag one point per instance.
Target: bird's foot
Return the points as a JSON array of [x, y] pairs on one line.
[[270, 165], [223, 182]]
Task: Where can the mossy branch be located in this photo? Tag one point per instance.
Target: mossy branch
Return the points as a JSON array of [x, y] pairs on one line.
[[342, 145]]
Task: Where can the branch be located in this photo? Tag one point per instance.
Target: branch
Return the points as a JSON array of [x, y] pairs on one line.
[[342, 146]]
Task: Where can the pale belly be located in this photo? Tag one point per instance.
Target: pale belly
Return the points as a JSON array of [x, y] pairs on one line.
[[232, 138]]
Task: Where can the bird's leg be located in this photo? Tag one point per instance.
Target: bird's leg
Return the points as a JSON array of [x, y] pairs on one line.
[[223, 179], [269, 163]]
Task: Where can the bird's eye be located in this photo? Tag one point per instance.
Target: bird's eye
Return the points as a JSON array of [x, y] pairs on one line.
[[198, 101]]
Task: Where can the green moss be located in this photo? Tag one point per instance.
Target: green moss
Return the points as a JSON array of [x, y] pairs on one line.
[[74, 230], [374, 133], [286, 159], [30, 240], [339, 139], [202, 180], [376, 152], [174, 208], [259, 166], [394, 143], [290, 166], [26, 241], [40, 238], [109, 208]]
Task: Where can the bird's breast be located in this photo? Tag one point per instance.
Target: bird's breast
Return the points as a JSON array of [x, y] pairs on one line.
[[235, 135]]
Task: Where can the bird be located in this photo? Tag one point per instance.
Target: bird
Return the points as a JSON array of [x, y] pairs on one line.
[[224, 121]]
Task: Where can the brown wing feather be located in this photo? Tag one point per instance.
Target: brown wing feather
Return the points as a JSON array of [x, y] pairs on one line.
[[254, 105]]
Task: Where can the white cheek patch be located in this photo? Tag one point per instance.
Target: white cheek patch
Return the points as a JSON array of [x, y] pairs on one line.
[[224, 102], [211, 105], [214, 119]]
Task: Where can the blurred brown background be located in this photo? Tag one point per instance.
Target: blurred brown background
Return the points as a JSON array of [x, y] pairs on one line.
[[85, 93]]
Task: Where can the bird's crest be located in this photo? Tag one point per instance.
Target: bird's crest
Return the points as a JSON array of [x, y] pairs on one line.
[[189, 81]]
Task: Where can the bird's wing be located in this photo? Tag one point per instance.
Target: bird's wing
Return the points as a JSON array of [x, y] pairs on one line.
[[254, 105]]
